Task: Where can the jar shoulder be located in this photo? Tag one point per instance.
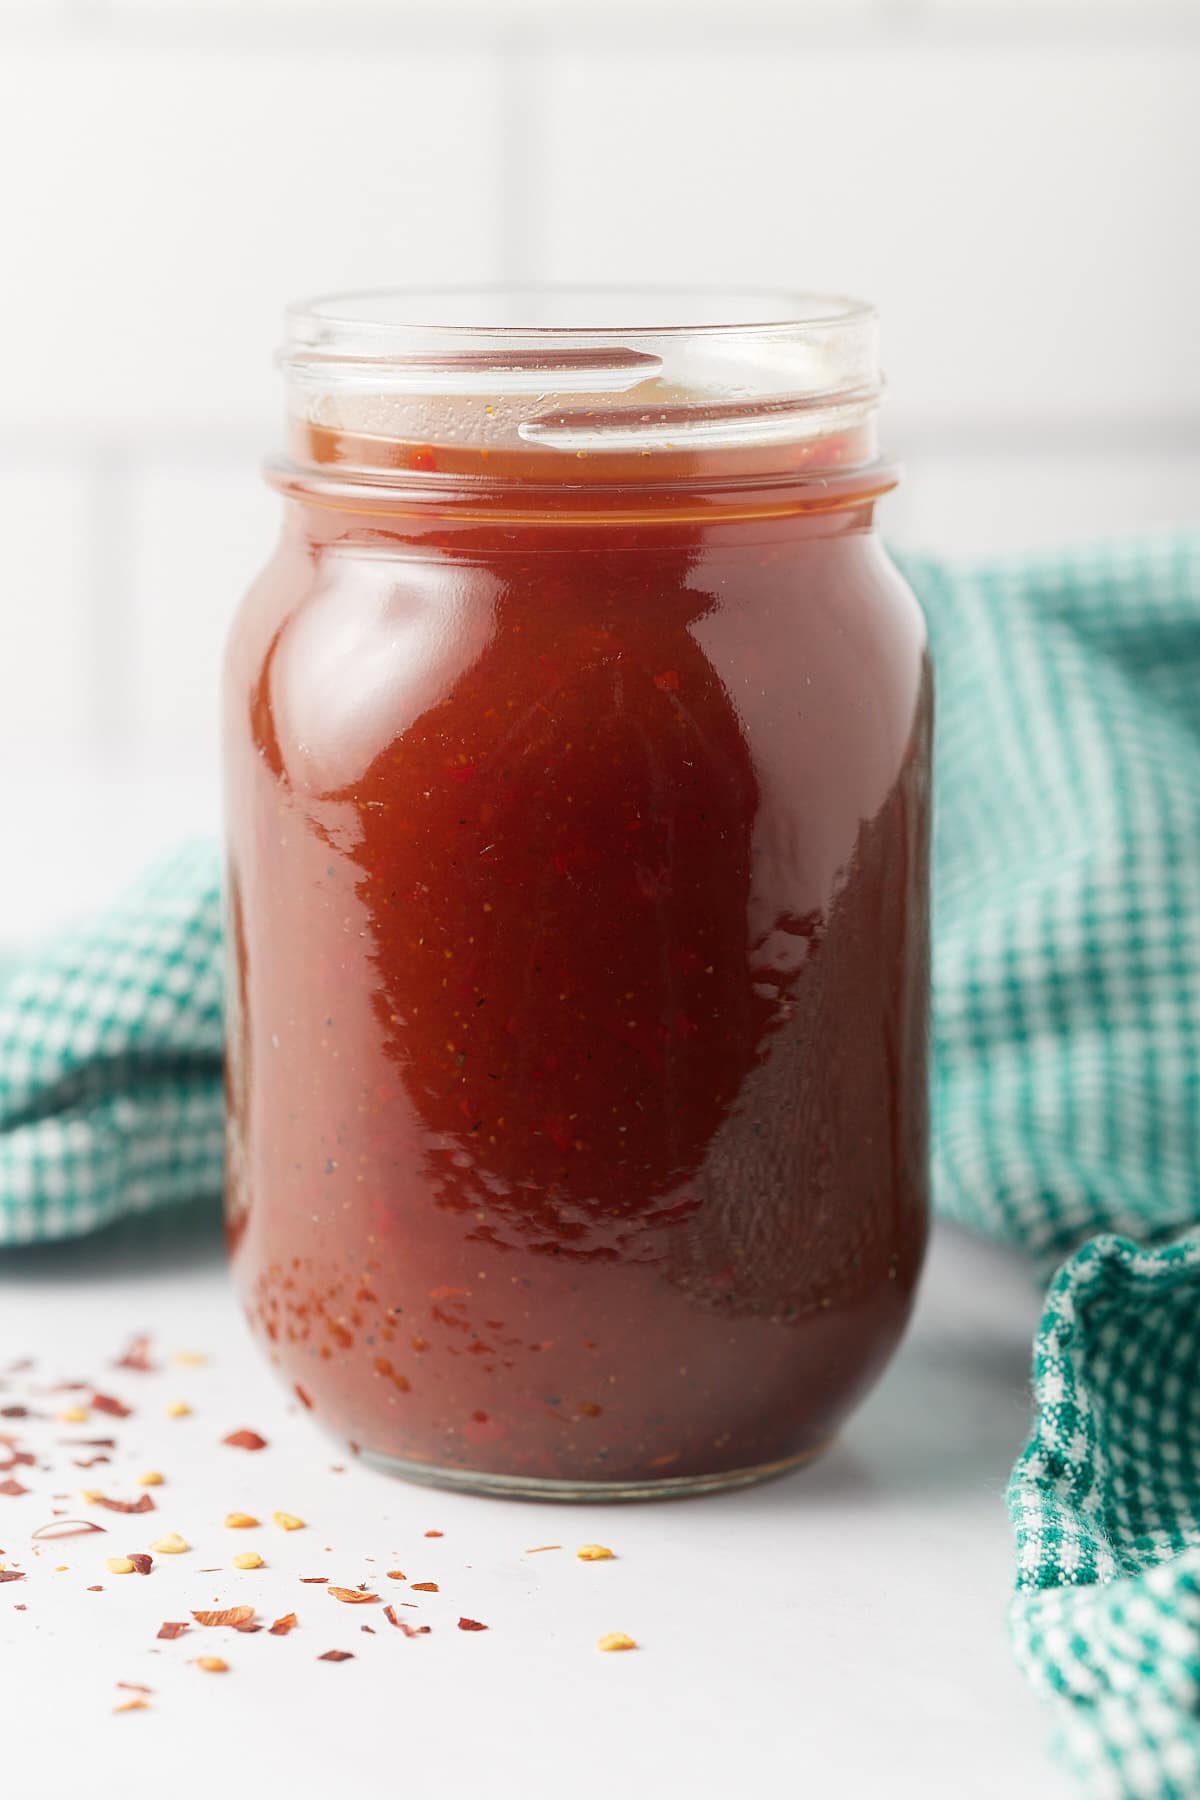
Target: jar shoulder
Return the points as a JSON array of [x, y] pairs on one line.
[[337, 654]]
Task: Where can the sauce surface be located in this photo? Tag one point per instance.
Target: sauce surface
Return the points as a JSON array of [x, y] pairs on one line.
[[578, 999]]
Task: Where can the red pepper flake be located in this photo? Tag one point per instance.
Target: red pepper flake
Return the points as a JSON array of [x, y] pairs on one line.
[[369, 1629], [172, 1628], [435, 1534], [141, 1562], [248, 1625], [12, 1487], [282, 1626], [15, 1412], [20, 1459], [134, 1687], [410, 1631], [89, 1462], [336, 1656], [425, 1587], [12, 1574], [67, 1528], [245, 1440], [136, 1356], [98, 1589], [143, 1503], [471, 1625], [352, 1596], [89, 1443], [314, 1578], [301, 1395], [105, 1403], [228, 1615]]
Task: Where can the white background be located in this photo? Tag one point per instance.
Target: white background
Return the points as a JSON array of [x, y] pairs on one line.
[[1014, 184]]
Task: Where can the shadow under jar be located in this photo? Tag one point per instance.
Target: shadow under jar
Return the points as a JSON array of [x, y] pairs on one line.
[[577, 772]]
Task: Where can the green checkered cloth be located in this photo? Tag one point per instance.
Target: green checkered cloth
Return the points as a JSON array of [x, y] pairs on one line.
[[1066, 1094], [1067, 1102], [110, 1061]]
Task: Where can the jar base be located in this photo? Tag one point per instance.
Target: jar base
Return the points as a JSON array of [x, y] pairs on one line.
[[535, 1487]]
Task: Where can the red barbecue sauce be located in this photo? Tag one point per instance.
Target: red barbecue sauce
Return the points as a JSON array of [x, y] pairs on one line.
[[578, 844]]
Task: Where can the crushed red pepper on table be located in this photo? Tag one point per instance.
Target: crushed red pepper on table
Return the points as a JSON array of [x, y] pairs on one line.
[[141, 1562], [105, 1403], [227, 1615], [136, 1356], [143, 1503], [245, 1440], [410, 1631]]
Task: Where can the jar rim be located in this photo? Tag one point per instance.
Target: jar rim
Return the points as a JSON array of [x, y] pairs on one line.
[[471, 310], [525, 382]]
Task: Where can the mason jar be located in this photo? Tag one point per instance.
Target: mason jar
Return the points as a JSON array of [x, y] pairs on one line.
[[577, 752]]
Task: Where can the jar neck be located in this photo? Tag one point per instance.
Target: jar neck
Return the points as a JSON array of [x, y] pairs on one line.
[[339, 522]]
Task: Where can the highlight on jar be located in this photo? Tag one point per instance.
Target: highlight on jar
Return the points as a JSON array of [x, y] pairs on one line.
[[577, 744]]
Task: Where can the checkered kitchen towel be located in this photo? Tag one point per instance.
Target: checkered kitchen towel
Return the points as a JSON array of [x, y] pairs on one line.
[[1066, 1093], [1067, 1103], [110, 1061]]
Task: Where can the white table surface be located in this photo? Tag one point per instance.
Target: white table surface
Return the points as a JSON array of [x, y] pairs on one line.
[[840, 1632]]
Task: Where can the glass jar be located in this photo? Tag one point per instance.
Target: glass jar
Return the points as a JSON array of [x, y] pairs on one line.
[[577, 765]]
